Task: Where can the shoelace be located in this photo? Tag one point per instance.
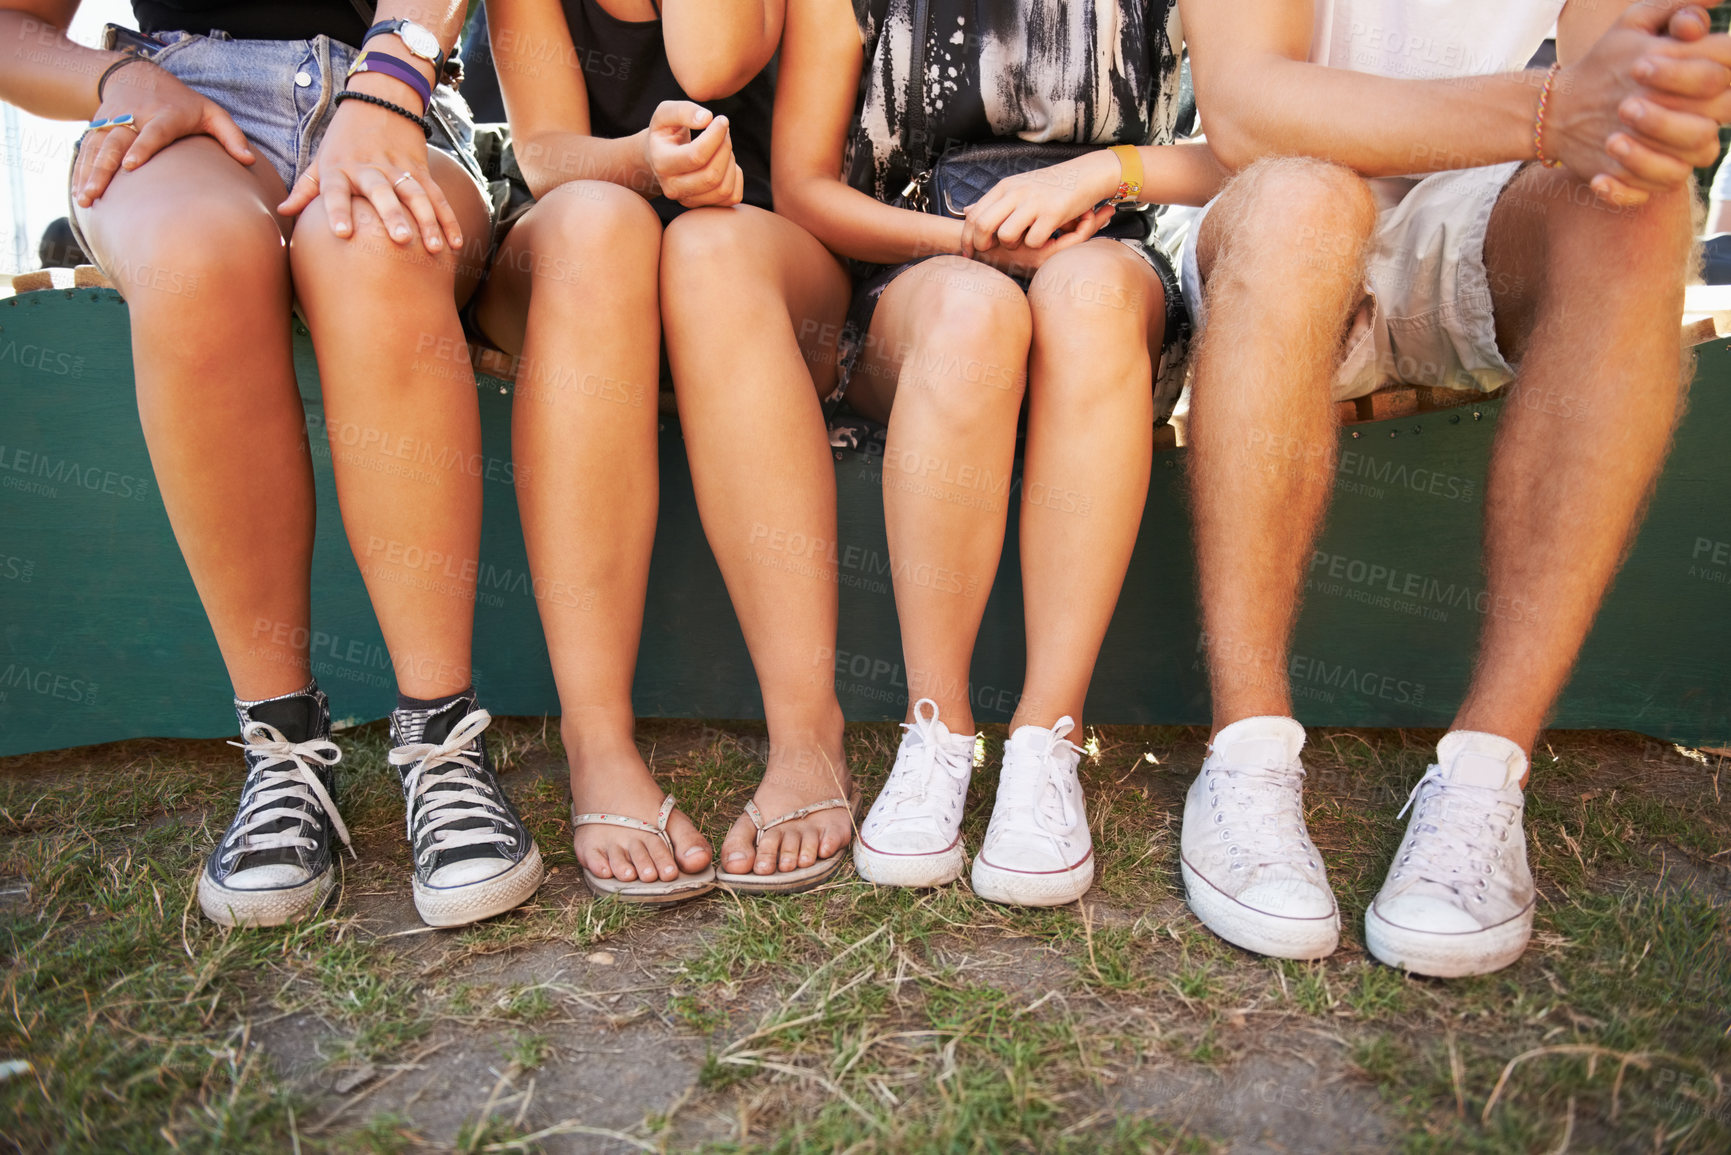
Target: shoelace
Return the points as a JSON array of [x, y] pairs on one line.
[[430, 810], [1247, 789], [1043, 787], [1444, 841], [276, 794], [912, 778]]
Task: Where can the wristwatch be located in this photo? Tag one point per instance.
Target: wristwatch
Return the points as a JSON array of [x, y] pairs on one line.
[[418, 40]]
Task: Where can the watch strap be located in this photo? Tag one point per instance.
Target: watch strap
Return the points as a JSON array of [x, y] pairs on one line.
[[388, 27]]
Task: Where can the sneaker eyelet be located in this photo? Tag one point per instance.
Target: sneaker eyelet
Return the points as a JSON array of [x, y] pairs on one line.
[[1481, 898], [1219, 818]]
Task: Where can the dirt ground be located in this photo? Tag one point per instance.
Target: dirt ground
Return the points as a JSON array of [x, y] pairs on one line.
[[856, 1019]]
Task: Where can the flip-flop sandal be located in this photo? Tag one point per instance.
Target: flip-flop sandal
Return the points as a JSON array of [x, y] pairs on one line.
[[655, 893], [800, 878]]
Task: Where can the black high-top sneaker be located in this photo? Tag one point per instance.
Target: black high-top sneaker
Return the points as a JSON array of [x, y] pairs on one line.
[[274, 863], [474, 858]]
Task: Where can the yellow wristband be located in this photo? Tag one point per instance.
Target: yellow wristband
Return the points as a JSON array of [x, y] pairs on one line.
[[1130, 166]]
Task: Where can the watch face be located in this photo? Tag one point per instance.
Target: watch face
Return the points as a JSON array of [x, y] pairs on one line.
[[419, 41]]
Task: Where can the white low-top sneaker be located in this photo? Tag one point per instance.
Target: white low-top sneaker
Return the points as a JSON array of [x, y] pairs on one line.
[[1252, 874], [913, 834], [1459, 898], [1037, 850]]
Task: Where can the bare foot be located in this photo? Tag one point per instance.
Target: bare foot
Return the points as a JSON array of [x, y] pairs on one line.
[[620, 783], [796, 777]]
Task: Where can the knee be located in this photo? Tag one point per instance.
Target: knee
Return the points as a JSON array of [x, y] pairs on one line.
[[198, 247], [1096, 301], [1296, 214], [594, 225], [709, 243], [367, 261], [965, 306], [969, 341]]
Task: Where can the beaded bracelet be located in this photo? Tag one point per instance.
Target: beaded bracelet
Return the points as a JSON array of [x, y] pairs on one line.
[[368, 98], [1539, 120]]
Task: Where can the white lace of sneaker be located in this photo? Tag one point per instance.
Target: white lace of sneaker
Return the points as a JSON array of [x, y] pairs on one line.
[[1455, 844], [1459, 898], [450, 763], [1259, 813], [1037, 850], [1251, 872], [1037, 782], [282, 786], [937, 768]]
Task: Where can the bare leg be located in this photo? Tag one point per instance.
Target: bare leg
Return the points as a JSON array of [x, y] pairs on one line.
[[1584, 431], [947, 367], [194, 245], [404, 423], [1262, 377], [1098, 313], [574, 291], [742, 290]]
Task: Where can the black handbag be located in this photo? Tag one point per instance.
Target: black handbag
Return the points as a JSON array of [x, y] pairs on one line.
[[963, 174]]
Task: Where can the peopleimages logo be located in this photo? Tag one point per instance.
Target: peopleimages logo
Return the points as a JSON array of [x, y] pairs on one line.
[[33, 472], [1390, 587], [49, 684]]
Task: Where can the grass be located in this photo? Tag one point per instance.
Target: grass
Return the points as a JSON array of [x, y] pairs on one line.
[[854, 1019]]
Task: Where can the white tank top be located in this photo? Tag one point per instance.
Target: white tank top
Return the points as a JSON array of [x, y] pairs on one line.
[[1431, 39]]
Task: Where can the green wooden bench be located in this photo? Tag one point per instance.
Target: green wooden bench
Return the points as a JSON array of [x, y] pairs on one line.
[[103, 636]]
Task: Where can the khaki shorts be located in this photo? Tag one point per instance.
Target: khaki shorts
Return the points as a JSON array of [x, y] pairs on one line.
[[1426, 316]]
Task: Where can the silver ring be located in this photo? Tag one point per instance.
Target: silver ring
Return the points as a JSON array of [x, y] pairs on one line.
[[401, 179]]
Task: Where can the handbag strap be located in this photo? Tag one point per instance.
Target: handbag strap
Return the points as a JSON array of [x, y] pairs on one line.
[[915, 122]]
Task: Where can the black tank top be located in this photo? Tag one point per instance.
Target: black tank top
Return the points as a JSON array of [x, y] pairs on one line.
[[304, 20], [626, 72]]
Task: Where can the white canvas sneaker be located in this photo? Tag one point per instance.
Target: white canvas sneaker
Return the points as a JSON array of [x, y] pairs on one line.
[[1459, 898], [1252, 874], [912, 836], [1037, 850]]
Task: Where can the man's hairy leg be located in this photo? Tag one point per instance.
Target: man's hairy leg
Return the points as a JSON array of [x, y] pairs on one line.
[[1588, 298], [1281, 253]]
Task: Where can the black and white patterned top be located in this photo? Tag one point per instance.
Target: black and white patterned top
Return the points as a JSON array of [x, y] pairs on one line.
[[1074, 71]]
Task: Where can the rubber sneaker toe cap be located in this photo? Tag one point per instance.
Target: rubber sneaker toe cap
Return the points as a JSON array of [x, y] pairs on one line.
[[467, 872], [1288, 898], [277, 876], [1426, 914], [906, 839]]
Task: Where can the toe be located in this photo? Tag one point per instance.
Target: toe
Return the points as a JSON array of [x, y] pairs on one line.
[[595, 862], [736, 851], [694, 852], [837, 832], [621, 863], [810, 842], [768, 852], [641, 858], [662, 859]]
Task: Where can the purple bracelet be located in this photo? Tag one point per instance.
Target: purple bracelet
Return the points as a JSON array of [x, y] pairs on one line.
[[396, 69]]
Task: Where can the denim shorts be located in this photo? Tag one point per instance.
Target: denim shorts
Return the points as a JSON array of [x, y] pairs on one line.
[[280, 93]]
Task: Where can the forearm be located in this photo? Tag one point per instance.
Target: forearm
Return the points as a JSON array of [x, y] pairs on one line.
[[715, 47], [1377, 126], [43, 72], [550, 159], [1180, 174], [852, 224]]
